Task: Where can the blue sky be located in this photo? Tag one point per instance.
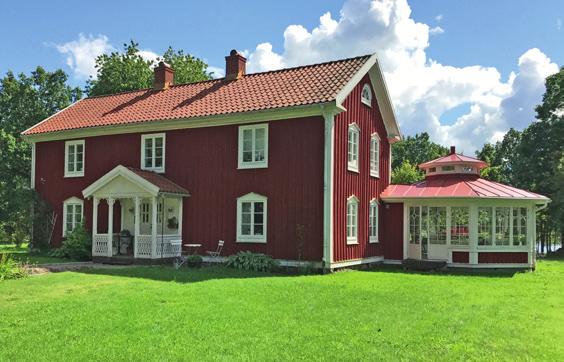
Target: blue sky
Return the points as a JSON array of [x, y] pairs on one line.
[[472, 33]]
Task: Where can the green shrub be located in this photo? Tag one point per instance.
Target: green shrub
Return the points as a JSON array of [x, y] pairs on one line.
[[11, 269], [194, 261], [77, 245], [245, 260]]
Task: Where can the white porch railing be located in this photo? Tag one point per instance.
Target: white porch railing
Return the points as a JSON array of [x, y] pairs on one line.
[[100, 244], [143, 247], [164, 246]]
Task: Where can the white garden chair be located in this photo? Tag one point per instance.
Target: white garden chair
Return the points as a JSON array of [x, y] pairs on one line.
[[217, 252]]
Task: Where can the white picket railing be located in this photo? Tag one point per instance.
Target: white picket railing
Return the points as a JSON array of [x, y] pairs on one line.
[[143, 245], [100, 244], [166, 246]]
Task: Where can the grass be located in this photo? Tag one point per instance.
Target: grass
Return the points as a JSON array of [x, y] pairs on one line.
[[22, 253], [158, 313]]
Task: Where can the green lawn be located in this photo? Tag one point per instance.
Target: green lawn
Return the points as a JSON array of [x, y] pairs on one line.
[[22, 253], [219, 314]]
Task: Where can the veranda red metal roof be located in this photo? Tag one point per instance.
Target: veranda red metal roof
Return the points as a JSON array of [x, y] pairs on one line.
[[458, 186], [454, 158]]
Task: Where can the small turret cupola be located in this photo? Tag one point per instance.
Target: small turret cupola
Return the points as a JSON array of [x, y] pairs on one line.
[[453, 163]]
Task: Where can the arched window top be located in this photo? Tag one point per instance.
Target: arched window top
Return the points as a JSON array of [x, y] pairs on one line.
[[366, 95]]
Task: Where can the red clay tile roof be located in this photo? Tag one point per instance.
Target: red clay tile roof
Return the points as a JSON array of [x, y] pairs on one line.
[[458, 186], [453, 158], [164, 184], [318, 83]]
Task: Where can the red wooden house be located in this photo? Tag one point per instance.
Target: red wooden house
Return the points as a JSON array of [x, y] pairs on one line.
[[290, 163]]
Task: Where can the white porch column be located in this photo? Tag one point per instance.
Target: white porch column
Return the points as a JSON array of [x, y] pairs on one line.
[[473, 242], [136, 221], [180, 206], [95, 202], [111, 201], [154, 227]]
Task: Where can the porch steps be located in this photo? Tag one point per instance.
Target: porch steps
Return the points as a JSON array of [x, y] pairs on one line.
[[423, 265]]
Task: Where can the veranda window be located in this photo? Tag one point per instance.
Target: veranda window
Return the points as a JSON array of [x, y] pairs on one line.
[[502, 224], [459, 225], [414, 224], [485, 215], [519, 226], [437, 225]]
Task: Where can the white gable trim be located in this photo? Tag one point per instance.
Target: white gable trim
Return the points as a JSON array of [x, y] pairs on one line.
[[125, 173], [372, 67]]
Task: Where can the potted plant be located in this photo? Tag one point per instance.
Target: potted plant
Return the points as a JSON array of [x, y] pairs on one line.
[[194, 261]]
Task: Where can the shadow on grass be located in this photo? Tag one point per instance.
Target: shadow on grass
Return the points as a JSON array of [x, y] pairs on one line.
[[485, 273], [182, 275]]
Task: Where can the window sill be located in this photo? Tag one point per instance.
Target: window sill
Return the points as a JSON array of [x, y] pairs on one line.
[[375, 175], [373, 241], [352, 242], [245, 166], [71, 175], [353, 169], [366, 102], [239, 240], [155, 170]]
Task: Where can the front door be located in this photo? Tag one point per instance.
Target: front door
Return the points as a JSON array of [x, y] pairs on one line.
[[427, 233], [414, 234]]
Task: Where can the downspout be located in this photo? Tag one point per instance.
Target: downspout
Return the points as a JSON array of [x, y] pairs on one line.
[[328, 169]]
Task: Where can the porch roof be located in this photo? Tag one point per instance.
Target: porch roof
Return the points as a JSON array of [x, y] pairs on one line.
[[147, 181], [459, 186]]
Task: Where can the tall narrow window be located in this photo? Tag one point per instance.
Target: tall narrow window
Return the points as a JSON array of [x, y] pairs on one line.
[[502, 226], [72, 214], [253, 146], [251, 218], [352, 220], [353, 136], [437, 225], [145, 212], [485, 215], [74, 158], [373, 222], [519, 226], [153, 152], [375, 155], [414, 224], [366, 95], [460, 225]]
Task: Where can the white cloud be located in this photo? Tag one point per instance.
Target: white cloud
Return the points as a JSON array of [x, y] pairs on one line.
[[422, 89], [217, 71], [439, 17], [436, 30], [148, 55], [81, 53]]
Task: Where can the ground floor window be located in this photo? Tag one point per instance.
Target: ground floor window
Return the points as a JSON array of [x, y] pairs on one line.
[[485, 215], [414, 224], [519, 226], [373, 222], [352, 220], [459, 225], [437, 225], [72, 214], [251, 218]]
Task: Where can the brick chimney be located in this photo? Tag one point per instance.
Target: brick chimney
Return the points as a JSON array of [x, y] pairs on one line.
[[235, 65], [452, 150], [164, 76]]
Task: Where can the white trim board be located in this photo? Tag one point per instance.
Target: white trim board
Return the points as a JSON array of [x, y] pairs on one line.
[[346, 263]]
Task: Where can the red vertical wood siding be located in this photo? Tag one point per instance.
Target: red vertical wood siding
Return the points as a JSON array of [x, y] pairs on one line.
[[362, 185], [503, 257], [204, 161], [392, 222], [460, 257]]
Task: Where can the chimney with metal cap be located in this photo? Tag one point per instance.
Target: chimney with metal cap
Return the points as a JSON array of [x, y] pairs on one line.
[[452, 150], [235, 65], [164, 76]]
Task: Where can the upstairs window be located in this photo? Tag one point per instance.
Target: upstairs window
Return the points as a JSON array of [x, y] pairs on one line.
[[251, 218], [447, 168], [353, 136], [72, 214], [375, 155], [153, 152], [74, 158], [253, 146], [373, 222], [366, 96], [352, 220]]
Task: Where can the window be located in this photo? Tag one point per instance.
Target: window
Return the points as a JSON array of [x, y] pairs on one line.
[[485, 225], [160, 212], [459, 225], [74, 158], [447, 168], [352, 220], [437, 225], [253, 146], [72, 214], [145, 212], [374, 155], [519, 226], [353, 147], [373, 222], [366, 96], [251, 218], [502, 226], [153, 152], [432, 169], [467, 169], [414, 224]]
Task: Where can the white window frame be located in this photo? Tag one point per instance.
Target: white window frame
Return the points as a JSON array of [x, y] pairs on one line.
[[253, 164], [153, 136], [74, 173], [375, 155], [352, 206], [373, 213], [353, 131], [74, 201], [252, 198], [366, 100]]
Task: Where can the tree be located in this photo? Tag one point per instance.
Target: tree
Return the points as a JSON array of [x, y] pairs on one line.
[[406, 174], [24, 101], [416, 149], [127, 71], [501, 157]]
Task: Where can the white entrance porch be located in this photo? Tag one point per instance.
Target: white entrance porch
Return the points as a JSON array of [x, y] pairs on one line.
[[150, 214]]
